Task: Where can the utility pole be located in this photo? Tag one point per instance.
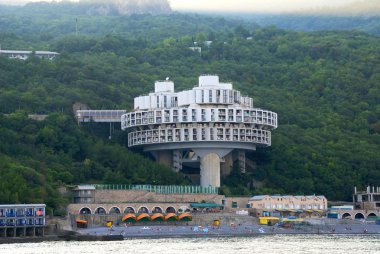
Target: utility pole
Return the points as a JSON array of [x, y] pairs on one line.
[[110, 136], [76, 26]]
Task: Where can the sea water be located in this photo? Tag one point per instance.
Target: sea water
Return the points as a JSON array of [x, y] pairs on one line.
[[276, 244]]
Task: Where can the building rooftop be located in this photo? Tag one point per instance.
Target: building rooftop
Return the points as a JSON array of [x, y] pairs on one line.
[[259, 197], [28, 52], [22, 205], [85, 187]]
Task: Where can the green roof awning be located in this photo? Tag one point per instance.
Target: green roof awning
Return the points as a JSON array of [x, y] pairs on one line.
[[203, 205]]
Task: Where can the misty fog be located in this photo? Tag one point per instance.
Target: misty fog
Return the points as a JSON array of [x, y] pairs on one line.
[[226, 5]]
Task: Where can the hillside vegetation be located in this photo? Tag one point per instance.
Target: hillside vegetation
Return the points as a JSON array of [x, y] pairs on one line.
[[325, 86], [315, 22], [362, 15], [362, 8]]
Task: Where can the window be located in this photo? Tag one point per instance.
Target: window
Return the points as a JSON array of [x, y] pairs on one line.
[[209, 96], [217, 96], [213, 115], [174, 101], [234, 204]]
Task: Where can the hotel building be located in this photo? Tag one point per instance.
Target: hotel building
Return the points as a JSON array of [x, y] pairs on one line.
[[22, 220], [201, 131], [290, 203]]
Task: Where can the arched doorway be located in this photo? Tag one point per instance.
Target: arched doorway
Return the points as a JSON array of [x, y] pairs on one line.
[[359, 216], [85, 210], [100, 210], [129, 209], [114, 210], [170, 209], [157, 209], [346, 216], [143, 209], [183, 209], [371, 215]]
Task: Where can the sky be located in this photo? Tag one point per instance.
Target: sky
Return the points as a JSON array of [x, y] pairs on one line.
[[240, 5], [254, 5]]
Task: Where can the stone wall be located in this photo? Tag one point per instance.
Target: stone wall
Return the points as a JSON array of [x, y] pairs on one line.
[[76, 208], [356, 214], [198, 219], [224, 218], [141, 196]]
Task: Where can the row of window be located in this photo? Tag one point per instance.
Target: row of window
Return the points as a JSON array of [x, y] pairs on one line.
[[21, 222], [203, 111], [199, 115], [291, 206], [197, 96], [199, 134], [213, 96], [21, 212]]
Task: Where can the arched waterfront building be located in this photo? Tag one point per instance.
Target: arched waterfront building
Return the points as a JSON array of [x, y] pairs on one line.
[[198, 131]]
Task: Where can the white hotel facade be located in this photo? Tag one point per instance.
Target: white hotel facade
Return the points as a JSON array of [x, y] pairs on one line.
[[206, 128]]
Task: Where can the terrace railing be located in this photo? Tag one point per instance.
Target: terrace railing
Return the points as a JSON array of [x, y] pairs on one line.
[[161, 189]]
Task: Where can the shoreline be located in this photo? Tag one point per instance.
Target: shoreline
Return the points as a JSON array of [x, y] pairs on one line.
[[135, 237], [240, 235], [121, 233], [89, 238]]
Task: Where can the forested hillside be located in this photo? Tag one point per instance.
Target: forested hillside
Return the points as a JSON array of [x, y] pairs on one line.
[[90, 7], [361, 15], [41, 22], [325, 86], [318, 22]]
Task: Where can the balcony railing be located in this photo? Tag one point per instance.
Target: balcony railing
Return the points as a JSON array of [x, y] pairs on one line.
[[161, 189]]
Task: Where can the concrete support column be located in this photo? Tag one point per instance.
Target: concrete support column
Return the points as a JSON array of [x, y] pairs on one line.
[[226, 167], [210, 170], [164, 157]]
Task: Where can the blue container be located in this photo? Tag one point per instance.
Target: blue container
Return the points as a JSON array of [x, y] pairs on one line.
[[332, 215], [378, 222]]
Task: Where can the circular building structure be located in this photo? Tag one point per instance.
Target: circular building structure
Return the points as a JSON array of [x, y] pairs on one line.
[[201, 131]]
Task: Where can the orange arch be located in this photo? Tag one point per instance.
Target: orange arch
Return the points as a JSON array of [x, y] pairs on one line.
[[157, 217], [129, 217], [143, 217], [171, 217], [185, 217]]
